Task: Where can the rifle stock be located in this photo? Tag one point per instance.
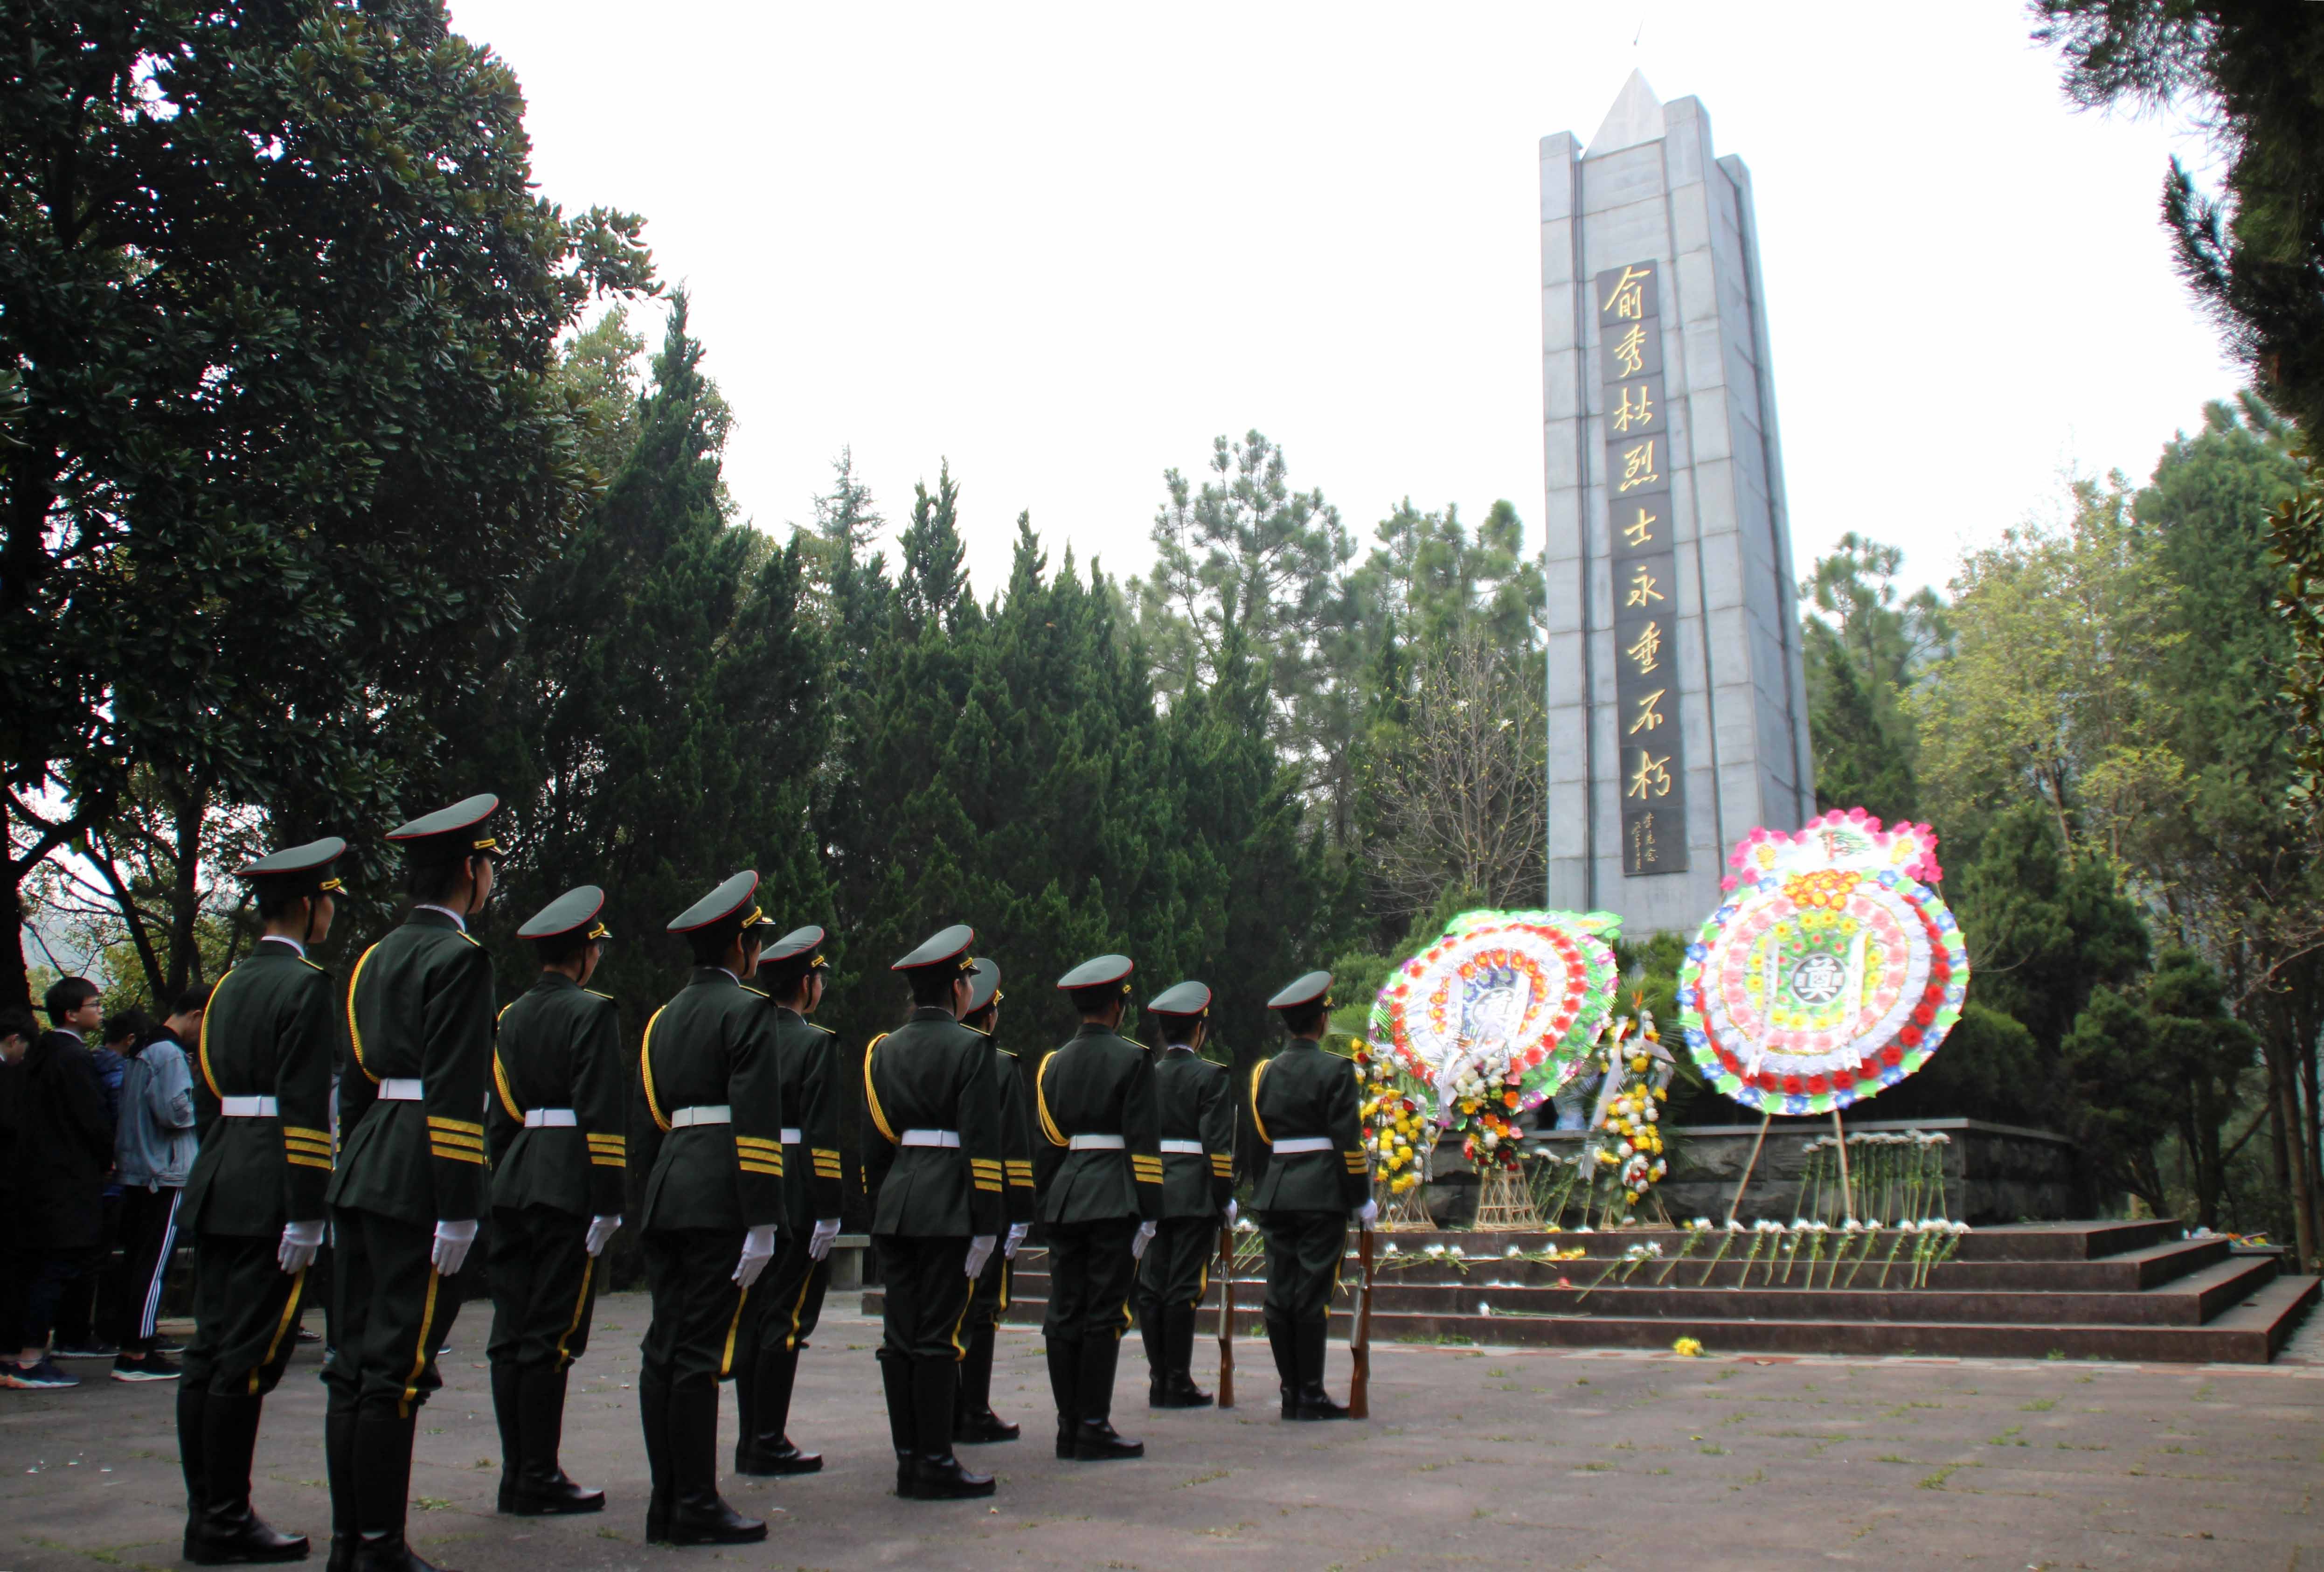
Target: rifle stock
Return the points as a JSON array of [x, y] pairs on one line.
[[1359, 1341], [1226, 1318]]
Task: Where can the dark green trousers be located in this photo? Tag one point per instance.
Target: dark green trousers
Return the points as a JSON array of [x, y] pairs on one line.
[[923, 1295], [991, 1296], [390, 1315], [1175, 1270], [1090, 1270], [544, 1288], [245, 1316], [698, 1314], [786, 1301], [1304, 1250]]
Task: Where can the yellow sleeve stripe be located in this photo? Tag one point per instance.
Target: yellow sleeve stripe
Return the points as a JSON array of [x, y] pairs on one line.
[[757, 1144], [1041, 1102], [296, 1162], [601, 1160], [300, 1132], [645, 1073], [609, 1143], [458, 1137], [460, 1126], [751, 1165], [354, 1033], [991, 1185], [830, 1151], [871, 1095], [455, 1154], [311, 1148]]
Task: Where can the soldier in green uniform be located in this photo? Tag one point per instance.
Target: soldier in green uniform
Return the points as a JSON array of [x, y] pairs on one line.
[[410, 1182], [706, 1151], [932, 1163], [558, 1161], [789, 1300], [1196, 1106], [973, 1420], [1100, 1172], [254, 1198], [1303, 1107]]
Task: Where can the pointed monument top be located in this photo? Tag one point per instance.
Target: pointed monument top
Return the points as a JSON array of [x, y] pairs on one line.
[[1637, 116]]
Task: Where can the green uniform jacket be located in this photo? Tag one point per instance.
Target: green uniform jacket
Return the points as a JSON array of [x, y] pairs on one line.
[[1302, 1093], [1197, 1100], [419, 1006], [713, 1045], [806, 1060], [560, 1047], [1099, 1084], [932, 1073], [270, 1030]]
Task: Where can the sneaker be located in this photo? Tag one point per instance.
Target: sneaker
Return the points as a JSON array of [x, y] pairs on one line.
[[144, 1367], [42, 1376], [164, 1345], [90, 1349]]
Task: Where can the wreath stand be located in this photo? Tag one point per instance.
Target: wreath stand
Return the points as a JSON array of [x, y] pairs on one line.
[[1505, 1202]]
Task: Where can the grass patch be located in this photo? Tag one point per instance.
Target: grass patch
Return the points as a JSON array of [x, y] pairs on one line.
[[1713, 1449], [1437, 1340], [2040, 1405], [1203, 1478], [431, 1503], [2007, 1437], [1891, 1457], [1937, 1480]]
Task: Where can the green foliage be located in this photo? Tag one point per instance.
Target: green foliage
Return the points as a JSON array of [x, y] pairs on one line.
[[1863, 649]]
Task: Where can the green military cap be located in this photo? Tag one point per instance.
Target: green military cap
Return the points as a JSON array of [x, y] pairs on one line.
[[730, 902], [949, 949], [1182, 999], [792, 956], [1315, 989], [575, 910], [450, 834], [983, 987], [304, 870], [1101, 972]]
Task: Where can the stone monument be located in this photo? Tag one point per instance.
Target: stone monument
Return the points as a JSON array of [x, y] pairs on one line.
[[1677, 702]]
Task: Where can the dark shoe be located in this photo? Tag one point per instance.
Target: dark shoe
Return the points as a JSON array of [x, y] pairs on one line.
[[1095, 1441], [343, 1554], [1093, 1384], [542, 1489], [698, 1514], [1179, 1392], [764, 1462], [304, 1335], [1314, 1404], [164, 1346], [974, 1422], [44, 1376], [903, 1427], [225, 1531], [382, 1467], [389, 1553], [979, 1430], [764, 1449], [145, 1367], [1178, 1335], [936, 1473], [1284, 1346], [214, 1543], [83, 1349]]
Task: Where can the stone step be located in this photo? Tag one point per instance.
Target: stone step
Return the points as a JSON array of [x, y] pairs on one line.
[[2190, 1300], [2250, 1333]]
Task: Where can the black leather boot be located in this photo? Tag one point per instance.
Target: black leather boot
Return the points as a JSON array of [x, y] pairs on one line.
[[227, 1531], [746, 1401], [1286, 1349], [191, 1397], [653, 1418], [764, 1448], [903, 1426], [698, 1514], [973, 1420], [936, 1473], [542, 1489], [506, 1379], [1064, 1390], [383, 1472], [1095, 1437], [340, 1465], [1314, 1402], [1153, 1330], [1178, 1345]]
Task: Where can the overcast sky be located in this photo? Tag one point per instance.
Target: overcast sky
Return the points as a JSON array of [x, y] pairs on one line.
[[1065, 246]]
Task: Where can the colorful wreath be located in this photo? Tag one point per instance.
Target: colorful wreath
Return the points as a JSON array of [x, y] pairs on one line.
[[1829, 972], [1510, 999]]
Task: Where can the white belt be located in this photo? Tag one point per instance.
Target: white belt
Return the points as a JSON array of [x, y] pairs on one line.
[[549, 1119], [1096, 1143], [792, 1136], [1303, 1143], [248, 1107], [928, 1138], [1183, 1147], [400, 1090], [708, 1114]]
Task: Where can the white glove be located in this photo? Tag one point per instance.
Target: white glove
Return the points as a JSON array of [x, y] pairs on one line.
[[451, 1247], [979, 1251], [1367, 1214], [758, 1249], [299, 1242], [1145, 1237], [1233, 1212], [1016, 1232], [818, 1244], [601, 1229]]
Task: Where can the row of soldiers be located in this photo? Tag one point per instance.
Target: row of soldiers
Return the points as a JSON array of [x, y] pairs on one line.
[[723, 1135]]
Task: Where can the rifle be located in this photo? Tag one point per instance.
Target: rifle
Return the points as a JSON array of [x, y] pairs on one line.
[[1226, 1317], [1360, 1340]]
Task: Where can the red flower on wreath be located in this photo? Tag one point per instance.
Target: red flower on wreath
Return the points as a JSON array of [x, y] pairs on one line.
[[1818, 1085], [1923, 1016], [1791, 1085], [1892, 1055], [1910, 1037]]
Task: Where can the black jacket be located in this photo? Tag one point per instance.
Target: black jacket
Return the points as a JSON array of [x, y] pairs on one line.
[[64, 1147]]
